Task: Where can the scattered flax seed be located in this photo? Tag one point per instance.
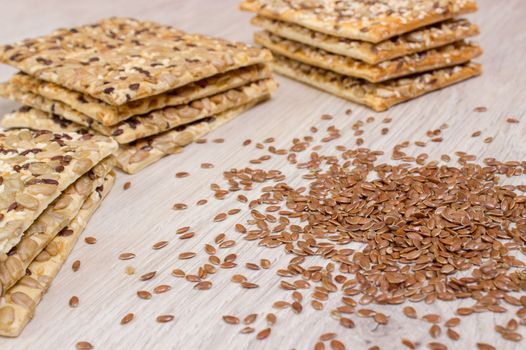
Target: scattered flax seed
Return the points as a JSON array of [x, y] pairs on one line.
[[436, 346], [476, 134], [385, 131], [452, 322], [231, 319], [182, 230], [220, 140], [126, 256], [75, 266], [250, 319], [437, 139], [238, 279], [480, 109], [204, 285], [179, 206], [381, 318], [164, 318], [127, 319], [488, 139], [233, 211], [90, 240], [201, 202], [265, 263], [337, 345], [328, 336], [163, 288], [187, 255], [126, 185], [326, 117], [220, 217], [410, 312], [513, 120], [74, 301], [347, 322], [387, 120], [181, 174], [453, 335], [241, 198], [247, 142], [200, 141], [263, 334], [160, 245], [271, 319], [249, 285], [435, 331], [84, 345], [143, 294], [348, 111], [319, 346], [148, 276], [178, 273], [464, 311], [247, 330], [431, 318], [408, 343], [369, 119], [484, 346], [207, 166]]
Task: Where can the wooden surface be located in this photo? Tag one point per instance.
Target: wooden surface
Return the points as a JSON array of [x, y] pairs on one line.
[[134, 220]]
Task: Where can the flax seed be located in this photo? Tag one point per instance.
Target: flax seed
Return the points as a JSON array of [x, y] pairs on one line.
[[263, 334], [204, 285], [207, 166], [247, 330], [452, 334], [90, 240], [250, 319], [126, 185], [143, 294], [187, 255], [480, 109], [148, 276], [179, 206], [164, 318], [74, 301], [83, 345], [75, 266], [182, 174], [231, 319], [160, 245], [126, 256], [337, 345], [127, 319], [163, 288], [271, 319]]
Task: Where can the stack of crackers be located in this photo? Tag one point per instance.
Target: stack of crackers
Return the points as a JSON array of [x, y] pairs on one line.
[[50, 186], [152, 88], [376, 53]]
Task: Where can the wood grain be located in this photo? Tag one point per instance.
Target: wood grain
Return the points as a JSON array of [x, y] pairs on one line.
[[135, 219]]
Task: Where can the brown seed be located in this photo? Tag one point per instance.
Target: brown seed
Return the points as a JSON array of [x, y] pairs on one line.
[[431, 318], [220, 140], [160, 245], [148, 276], [238, 278], [178, 273], [480, 109], [271, 319], [512, 336], [143, 294], [380, 318], [84, 345], [249, 285], [436, 346], [90, 240], [181, 174], [207, 165], [187, 255], [231, 319], [247, 142], [247, 330], [326, 117], [410, 312], [265, 263], [328, 336], [250, 319], [319, 346], [484, 346], [337, 345], [204, 285], [347, 322], [163, 288], [75, 266], [179, 206], [435, 331], [263, 334], [220, 217], [408, 343], [452, 334], [464, 311], [164, 318], [201, 202], [126, 185], [126, 256], [74, 301], [452, 322], [512, 120], [127, 319]]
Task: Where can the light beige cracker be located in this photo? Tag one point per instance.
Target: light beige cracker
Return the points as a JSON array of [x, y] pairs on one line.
[[361, 20], [449, 55], [154, 122], [381, 96], [56, 216], [31, 118], [18, 305], [109, 115], [35, 167], [423, 39], [119, 60]]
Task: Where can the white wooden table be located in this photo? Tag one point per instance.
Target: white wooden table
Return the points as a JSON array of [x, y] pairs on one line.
[[134, 220]]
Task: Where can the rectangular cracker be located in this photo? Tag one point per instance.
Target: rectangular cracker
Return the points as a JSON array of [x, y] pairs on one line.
[[18, 305], [35, 167], [56, 216], [361, 20], [109, 115], [151, 123], [381, 96], [423, 39], [449, 55], [119, 60]]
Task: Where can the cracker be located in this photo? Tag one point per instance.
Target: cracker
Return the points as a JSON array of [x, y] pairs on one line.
[[31, 118], [35, 167], [154, 122], [361, 20], [427, 38], [18, 306], [56, 216], [381, 96], [449, 55], [109, 115], [119, 60]]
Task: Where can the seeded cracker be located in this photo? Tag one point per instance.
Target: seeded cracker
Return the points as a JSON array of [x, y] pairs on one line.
[[35, 168], [119, 60], [56, 216], [18, 306], [154, 122], [453, 54], [109, 115], [361, 20], [376, 96], [420, 40], [137, 155]]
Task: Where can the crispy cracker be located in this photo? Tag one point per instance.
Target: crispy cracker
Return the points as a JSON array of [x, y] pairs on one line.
[[56, 216], [361, 20], [119, 60], [18, 306], [35, 168], [423, 39], [31, 118], [109, 115], [381, 96], [154, 122], [449, 55]]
